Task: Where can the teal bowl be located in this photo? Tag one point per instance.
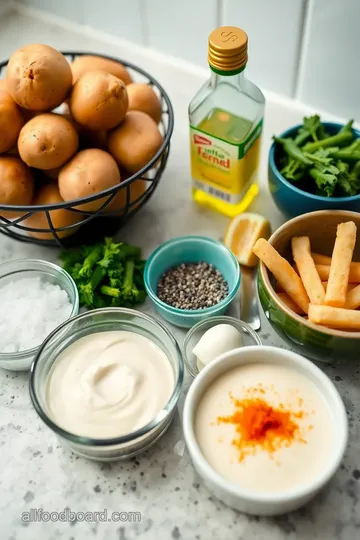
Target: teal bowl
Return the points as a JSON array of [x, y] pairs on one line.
[[191, 249], [309, 339], [293, 201]]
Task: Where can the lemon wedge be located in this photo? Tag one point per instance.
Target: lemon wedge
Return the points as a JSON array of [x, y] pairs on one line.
[[242, 233]]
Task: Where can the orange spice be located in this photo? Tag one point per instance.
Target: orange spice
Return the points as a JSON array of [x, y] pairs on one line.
[[261, 426]]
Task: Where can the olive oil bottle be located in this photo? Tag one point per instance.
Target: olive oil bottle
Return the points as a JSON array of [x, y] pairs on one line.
[[226, 117]]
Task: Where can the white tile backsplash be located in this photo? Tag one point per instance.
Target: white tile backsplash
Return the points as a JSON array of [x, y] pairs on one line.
[[274, 30], [330, 71], [181, 28], [307, 49]]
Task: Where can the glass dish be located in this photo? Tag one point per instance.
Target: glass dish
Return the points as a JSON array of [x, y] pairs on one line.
[[249, 335], [28, 268], [104, 320]]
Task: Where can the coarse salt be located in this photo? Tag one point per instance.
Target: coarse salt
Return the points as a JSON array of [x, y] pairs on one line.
[[30, 308]]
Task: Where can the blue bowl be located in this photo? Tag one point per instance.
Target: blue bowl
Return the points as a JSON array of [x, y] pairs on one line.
[[191, 249], [293, 201]]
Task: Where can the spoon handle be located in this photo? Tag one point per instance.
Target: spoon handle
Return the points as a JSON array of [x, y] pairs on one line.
[[249, 310]]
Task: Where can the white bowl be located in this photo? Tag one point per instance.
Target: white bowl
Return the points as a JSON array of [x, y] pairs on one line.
[[251, 501]]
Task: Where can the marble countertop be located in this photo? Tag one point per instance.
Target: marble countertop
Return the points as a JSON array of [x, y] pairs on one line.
[[38, 473]]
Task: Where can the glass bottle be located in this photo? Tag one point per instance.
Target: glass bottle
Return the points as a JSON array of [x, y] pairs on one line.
[[226, 118]]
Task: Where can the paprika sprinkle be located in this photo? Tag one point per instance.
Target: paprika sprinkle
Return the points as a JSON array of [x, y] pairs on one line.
[[261, 426]]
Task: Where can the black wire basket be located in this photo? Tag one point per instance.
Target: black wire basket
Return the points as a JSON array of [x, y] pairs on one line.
[[92, 226]]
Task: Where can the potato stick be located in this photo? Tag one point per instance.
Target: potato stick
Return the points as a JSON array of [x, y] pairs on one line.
[[340, 264], [324, 272], [353, 298], [278, 287], [324, 284], [324, 259], [290, 303], [350, 285], [302, 256], [283, 272], [335, 317]]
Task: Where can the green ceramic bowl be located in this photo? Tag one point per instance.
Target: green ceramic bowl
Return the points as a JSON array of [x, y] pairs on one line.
[[303, 336]]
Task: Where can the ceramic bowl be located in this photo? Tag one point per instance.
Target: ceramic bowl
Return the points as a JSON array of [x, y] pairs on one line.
[[293, 201], [191, 249], [311, 340], [251, 501]]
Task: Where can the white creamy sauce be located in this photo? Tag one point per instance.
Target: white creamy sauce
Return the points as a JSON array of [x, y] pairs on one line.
[[109, 384], [286, 468]]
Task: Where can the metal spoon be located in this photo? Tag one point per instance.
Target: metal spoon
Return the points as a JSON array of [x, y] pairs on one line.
[[249, 309]]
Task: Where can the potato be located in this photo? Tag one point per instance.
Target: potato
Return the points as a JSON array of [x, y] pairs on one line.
[[118, 203], [89, 172], [11, 122], [135, 141], [47, 141], [49, 194], [3, 86], [143, 98], [16, 184], [86, 63], [38, 77], [98, 101]]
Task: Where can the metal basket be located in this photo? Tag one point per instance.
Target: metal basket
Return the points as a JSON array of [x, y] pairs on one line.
[[100, 223]]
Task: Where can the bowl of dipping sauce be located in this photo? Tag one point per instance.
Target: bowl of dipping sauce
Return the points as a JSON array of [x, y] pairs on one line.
[[191, 278], [265, 428], [208, 339], [107, 382], [35, 297]]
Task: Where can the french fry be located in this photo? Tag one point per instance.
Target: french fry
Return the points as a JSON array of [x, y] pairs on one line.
[[353, 298], [290, 303], [348, 319], [324, 272], [324, 259], [302, 256], [283, 272], [340, 264]]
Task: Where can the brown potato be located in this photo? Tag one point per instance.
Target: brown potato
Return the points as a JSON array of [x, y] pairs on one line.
[[135, 141], [47, 141], [98, 101], [86, 63], [89, 172], [143, 98], [16, 184], [3, 86], [11, 122], [49, 194], [118, 203], [38, 77]]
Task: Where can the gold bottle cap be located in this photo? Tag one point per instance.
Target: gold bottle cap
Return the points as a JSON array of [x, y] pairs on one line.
[[228, 49]]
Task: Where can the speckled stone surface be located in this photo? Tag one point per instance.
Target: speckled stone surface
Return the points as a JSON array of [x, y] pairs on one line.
[[38, 473]]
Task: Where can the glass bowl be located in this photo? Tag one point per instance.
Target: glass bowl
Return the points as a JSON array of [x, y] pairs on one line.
[[49, 272], [249, 335], [104, 320], [191, 249]]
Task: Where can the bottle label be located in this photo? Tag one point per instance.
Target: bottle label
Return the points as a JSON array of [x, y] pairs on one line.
[[221, 169]]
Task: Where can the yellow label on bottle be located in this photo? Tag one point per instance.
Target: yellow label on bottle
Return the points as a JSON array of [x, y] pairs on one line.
[[222, 169]]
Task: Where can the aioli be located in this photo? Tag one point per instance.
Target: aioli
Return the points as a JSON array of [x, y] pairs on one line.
[[109, 384], [290, 465]]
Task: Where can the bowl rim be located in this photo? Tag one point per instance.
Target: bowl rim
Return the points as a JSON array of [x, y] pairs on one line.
[[22, 355], [192, 312], [290, 359], [130, 437], [220, 319], [273, 166], [265, 275]]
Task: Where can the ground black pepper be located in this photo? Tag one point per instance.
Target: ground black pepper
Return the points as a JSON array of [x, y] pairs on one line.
[[192, 286]]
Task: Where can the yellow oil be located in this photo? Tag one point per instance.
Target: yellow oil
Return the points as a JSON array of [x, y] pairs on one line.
[[231, 129]]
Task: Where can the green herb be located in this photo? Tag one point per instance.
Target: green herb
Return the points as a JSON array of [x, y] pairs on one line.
[[328, 165], [107, 274]]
